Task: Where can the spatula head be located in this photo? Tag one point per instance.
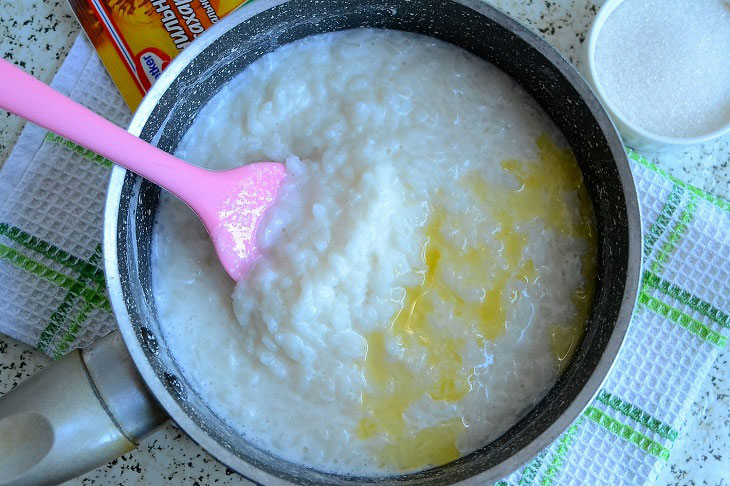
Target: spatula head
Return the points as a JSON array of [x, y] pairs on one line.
[[247, 193]]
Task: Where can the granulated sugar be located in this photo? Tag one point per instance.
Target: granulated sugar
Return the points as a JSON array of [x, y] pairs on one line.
[[665, 64]]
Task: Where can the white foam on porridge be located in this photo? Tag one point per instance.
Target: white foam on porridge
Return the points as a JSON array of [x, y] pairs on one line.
[[391, 132]]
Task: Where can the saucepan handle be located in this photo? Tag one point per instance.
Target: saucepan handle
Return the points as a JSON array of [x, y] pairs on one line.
[[84, 410]]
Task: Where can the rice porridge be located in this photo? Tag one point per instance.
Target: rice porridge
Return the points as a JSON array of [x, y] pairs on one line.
[[428, 265]]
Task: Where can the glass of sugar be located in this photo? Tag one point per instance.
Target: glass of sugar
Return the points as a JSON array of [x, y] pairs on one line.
[[662, 69]]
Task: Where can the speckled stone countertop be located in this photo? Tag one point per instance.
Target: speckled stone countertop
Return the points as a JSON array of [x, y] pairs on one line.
[[37, 35]]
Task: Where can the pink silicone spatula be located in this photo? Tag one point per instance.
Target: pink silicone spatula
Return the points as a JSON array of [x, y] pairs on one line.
[[230, 203]]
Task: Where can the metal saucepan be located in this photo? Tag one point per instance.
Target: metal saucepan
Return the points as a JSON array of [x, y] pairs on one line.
[[99, 403]]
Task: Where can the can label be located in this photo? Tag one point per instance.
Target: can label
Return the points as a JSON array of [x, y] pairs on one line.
[[137, 39]]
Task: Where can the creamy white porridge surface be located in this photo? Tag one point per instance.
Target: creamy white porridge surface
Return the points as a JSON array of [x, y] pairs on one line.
[[428, 266]]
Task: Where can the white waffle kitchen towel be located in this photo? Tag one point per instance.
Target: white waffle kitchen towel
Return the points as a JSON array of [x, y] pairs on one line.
[[52, 292]]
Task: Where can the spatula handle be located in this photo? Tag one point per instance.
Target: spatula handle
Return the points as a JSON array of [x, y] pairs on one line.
[[37, 102]]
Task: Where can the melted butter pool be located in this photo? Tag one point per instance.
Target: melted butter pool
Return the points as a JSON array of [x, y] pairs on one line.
[[541, 186]]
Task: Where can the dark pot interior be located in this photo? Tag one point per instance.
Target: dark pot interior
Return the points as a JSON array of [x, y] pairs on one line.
[[240, 39]]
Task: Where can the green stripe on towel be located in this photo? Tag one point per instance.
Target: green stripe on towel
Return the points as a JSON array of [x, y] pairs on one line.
[[665, 216], [651, 280], [54, 253], [692, 325], [637, 415], [61, 313], [627, 433], [72, 331], [564, 443], [55, 322], [63, 281], [82, 151], [716, 200], [530, 471], [675, 236]]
